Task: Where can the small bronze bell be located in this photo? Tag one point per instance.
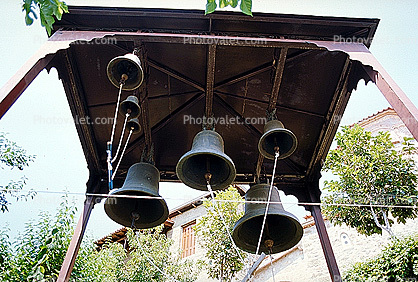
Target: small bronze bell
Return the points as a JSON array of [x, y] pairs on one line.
[[134, 125], [206, 156], [128, 65], [282, 229], [130, 106], [142, 180], [277, 137]]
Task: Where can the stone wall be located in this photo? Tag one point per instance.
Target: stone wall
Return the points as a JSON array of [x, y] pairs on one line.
[[306, 261]]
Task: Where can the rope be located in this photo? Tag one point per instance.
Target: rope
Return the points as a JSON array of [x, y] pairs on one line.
[[121, 138], [123, 152], [268, 203], [223, 221], [116, 114]]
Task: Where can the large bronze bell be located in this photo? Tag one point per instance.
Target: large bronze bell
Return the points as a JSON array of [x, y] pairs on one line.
[[282, 229], [206, 156], [142, 180], [130, 106], [128, 65], [277, 137]]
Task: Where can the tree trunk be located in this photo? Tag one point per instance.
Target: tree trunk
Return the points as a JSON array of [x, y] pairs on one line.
[[385, 227]]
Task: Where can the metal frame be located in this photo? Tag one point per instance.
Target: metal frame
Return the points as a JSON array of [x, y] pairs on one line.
[[61, 40]]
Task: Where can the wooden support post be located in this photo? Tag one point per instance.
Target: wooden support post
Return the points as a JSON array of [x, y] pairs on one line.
[[326, 244], [68, 264], [314, 195], [398, 100]]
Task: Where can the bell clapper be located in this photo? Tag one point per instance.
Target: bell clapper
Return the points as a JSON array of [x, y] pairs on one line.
[[135, 217], [269, 244], [123, 79], [208, 176], [277, 151]]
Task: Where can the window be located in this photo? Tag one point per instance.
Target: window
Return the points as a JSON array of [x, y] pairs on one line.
[[188, 241]]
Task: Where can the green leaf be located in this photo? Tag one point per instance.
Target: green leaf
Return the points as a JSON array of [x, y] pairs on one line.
[[233, 3], [210, 7], [246, 6], [41, 254], [223, 3]]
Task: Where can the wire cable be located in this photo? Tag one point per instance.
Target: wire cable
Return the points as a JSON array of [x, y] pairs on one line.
[[415, 200]]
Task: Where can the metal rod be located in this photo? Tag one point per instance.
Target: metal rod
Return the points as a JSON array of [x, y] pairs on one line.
[[254, 267]]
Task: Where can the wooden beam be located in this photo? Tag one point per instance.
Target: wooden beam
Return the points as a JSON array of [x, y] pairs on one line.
[[13, 88], [406, 110], [210, 79], [398, 100], [70, 257], [278, 75], [175, 74], [313, 190], [332, 119], [76, 100], [326, 244]]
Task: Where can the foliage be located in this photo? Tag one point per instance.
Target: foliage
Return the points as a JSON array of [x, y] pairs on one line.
[[49, 10], [398, 261], [370, 172], [149, 259], [39, 251], [245, 5], [213, 237], [13, 156]]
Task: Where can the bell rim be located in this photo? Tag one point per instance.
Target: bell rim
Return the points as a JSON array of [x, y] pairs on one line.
[[116, 83], [251, 249], [201, 187], [160, 220], [287, 154]]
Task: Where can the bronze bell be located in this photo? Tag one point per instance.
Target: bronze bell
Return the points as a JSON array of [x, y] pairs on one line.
[[282, 229], [130, 106], [133, 124], [142, 180], [276, 136], [128, 65], [206, 156]]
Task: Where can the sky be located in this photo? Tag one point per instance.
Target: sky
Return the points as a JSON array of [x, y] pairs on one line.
[[40, 121]]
